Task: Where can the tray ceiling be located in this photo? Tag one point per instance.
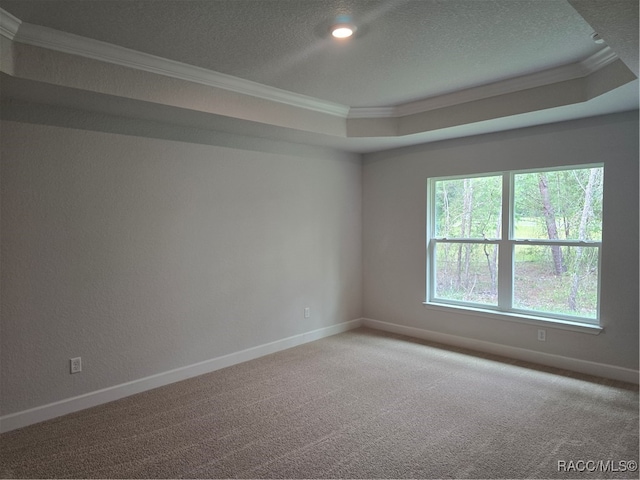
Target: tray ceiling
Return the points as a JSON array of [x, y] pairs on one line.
[[408, 56]]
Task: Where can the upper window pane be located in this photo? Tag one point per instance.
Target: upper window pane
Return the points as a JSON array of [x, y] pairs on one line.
[[468, 207], [559, 205]]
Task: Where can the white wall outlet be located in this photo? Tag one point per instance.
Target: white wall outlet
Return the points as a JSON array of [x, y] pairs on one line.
[[307, 312], [76, 364], [542, 335]]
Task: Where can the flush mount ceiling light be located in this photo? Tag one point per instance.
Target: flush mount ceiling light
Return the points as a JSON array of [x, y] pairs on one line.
[[343, 30]]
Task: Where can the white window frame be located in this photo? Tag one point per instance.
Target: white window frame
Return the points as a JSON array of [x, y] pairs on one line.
[[506, 258]]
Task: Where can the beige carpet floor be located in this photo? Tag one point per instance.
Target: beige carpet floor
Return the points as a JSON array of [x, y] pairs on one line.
[[363, 404]]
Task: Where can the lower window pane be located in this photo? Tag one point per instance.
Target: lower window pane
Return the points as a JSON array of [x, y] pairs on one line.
[[555, 279], [467, 272]]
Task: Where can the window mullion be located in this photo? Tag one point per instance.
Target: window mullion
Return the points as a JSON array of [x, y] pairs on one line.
[[505, 251]]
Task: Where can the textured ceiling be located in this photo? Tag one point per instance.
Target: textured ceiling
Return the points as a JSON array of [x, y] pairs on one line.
[[617, 21], [405, 50]]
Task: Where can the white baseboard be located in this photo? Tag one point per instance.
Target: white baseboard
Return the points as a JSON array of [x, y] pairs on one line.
[[98, 397], [566, 363]]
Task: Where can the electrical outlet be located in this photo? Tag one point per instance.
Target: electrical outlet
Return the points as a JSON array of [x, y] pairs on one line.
[[76, 364], [542, 335], [307, 312]]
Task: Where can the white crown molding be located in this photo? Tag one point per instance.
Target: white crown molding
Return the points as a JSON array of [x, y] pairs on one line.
[[9, 24], [599, 60], [56, 40], [539, 79], [525, 82]]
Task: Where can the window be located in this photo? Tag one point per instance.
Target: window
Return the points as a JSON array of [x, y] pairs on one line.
[[520, 242]]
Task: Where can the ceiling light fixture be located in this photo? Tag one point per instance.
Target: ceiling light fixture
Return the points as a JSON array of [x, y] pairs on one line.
[[343, 30]]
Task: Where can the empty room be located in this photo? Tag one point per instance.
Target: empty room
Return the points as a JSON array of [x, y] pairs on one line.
[[319, 239]]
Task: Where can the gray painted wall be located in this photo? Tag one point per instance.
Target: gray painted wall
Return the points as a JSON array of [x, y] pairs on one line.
[[146, 253], [394, 209], [142, 255]]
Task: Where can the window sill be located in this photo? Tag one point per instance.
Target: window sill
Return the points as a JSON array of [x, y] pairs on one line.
[[518, 318]]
